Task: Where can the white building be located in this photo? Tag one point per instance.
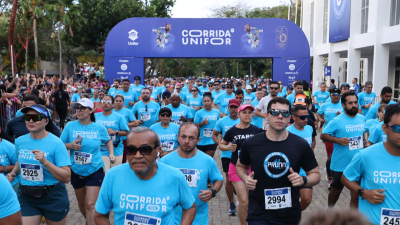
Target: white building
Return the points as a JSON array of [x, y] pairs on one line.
[[374, 41]]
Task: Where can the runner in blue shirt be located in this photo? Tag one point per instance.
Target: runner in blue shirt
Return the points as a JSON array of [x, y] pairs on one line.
[[319, 97], [114, 88], [8, 158], [366, 98], [44, 169], [386, 95], [146, 109], [95, 97], [376, 135], [180, 113], [377, 167], [137, 87], [257, 120], [130, 96], [371, 124], [195, 102], [167, 131], [198, 168], [77, 96], [150, 180], [248, 95], [222, 100], [217, 89], [346, 132], [117, 127], [204, 88], [10, 210]]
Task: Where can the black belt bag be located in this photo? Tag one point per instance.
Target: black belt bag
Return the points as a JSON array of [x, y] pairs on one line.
[[37, 191]]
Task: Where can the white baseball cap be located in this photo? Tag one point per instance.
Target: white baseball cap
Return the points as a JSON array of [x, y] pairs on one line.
[[85, 102], [248, 87]]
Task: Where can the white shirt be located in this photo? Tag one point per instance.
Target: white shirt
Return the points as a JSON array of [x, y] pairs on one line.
[[263, 106]]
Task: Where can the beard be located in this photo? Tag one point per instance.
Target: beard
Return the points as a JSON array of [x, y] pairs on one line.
[[352, 112], [386, 102], [146, 99], [144, 172]]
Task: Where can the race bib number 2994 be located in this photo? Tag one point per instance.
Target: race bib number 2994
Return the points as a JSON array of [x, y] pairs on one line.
[[278, 198], [138, 219]]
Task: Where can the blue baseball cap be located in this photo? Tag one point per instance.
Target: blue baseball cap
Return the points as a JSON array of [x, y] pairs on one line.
[[38, 108], [204, 80]]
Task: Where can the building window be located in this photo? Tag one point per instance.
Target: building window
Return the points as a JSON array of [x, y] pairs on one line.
[[394, 12], [397, 79], [312, 25], [325, 35], [364, 16]]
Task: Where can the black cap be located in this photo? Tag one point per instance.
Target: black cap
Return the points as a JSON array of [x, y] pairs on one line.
[[229, 83], [335, 90], [136, 78], [238, 84], [165, 109]]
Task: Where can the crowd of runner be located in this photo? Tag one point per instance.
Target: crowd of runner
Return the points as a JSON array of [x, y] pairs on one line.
[[146, 152]]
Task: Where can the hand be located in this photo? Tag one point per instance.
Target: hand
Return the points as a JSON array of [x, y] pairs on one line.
[[232, 147], [11, 176], [112, 158], [136, 123], [344, 141], [295, 178], [374, 196], [337, 113], [39, 155], [205, 121], [367, 106], [111, 131], [205, 196], [131, 103], [250, 181], [75, 145], [183, 118], [162, 154]]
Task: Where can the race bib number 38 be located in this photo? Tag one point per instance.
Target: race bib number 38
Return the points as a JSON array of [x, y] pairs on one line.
[[356, 143], [137, 219], [278, 198], [191, 176], [32, 172], [390, 217]]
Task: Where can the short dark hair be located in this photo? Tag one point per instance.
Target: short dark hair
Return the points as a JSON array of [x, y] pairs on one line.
[[386, 90], [273, 82], [208, 94], [355, 78], [239, 92], [189, 124], [333, 81], [40, 86], [297, 84], [345, 95], [146, 88], [297, 108], [126, 79], [390, 111], [279, 100], [31, 98]]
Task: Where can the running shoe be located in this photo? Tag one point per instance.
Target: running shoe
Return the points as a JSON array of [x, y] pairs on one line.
[[232, 209]]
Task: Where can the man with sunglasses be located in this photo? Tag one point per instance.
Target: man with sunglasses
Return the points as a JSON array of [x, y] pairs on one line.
[[146, 110], [130, 96], [275, 157], [346, 132], [221, 102], [137, 87], [150, 180], [217, 89], [198, 168], [262, 107], [210, 86], [386, 95], [373, 174]]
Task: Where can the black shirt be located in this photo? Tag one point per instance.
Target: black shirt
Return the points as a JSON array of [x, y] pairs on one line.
[[260, 153], [61, 99], [239, 135]]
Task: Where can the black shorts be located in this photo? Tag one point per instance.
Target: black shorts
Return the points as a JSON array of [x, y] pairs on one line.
[[337, 180], [225, 164], [205, 148], [95, 179]]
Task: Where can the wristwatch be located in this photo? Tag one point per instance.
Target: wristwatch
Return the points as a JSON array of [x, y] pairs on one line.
[[305, 180], [214, 193], [360, 193], [116, 132]]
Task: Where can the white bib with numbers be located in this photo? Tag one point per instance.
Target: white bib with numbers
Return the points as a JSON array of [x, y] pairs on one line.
[[32, 172], [390, 217], [167, 146], [113, 137], [191, 176], [320, 103], [138, 219], [278, 198], [82, 158], [207, 132], [177, 121], [145, 116], [356, 143]]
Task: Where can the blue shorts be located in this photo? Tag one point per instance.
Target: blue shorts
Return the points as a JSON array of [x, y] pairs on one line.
[[95, 179], [54, 206]]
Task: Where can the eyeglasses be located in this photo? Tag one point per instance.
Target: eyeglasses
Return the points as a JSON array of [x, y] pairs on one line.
[[216, 84], [229, 87], [125, 83], [81, 108], [335, 94], [194, 90], [108, 101], [222, 86], [165, 97], [395, 128], [144, 149], [274, 88], [276, 112], [240, 98], [209, 85], [79, 88], [165, 114], [34, 118], [302, 117]]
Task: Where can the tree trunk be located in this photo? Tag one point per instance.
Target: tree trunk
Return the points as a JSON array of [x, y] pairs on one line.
[[15, 59], [36, 47], [59, 42], [11, 33], [26, 56]]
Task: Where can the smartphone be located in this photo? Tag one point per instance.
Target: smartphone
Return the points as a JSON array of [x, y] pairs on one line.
[[79, 138]]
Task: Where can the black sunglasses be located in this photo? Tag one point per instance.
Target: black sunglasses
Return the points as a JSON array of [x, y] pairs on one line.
[[144, 149], [276, 112], [34, 118], [229, 87], [274, 88], [302, 117], [165, 97], [194, 90], [165, 114]]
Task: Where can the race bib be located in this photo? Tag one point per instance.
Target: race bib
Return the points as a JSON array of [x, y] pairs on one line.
[[145, 116], [82, 158], [113, 137], [356, 143], [278, 198], [32, 172], [207, 132], [320, 103], [247, 100], [137, 219], [390, 217], [191, 176], [167, 146], [177, 121], [193, 107]]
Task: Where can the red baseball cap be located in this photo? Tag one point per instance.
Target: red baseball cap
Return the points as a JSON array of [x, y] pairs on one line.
[[245, 106], [234, 102]]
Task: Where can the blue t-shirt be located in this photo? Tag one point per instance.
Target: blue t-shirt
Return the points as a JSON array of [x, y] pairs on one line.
[[248, 98], [321, 97], [114, 121], [366, 99], [9, 203], [349, 127], [148, 113], [177, 112], [137, 89], [128, 114], [214, 94], [112, 91], [128, 96], [94, 135], [154, 199], [161, 90], [19, 113], [33, 173], [306, 133], [256, 120], [370, 124], [281, 94], [185, 96], [193, 102], [291, 98], [8, 157], [377, 135], [198, 170], [202, 90], [156, 90], [76, 97], [377, 169], [95, 100], [371, 114], [330, 111], [223, 125], [207, 130], [168, 136], [222, 100]]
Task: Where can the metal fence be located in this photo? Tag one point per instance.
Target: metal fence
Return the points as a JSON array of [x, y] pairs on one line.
[[8, 112]]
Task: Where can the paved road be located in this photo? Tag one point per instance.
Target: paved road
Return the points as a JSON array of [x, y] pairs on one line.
[[218, 210]]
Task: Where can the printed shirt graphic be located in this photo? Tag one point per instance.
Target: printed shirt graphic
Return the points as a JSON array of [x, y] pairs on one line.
[[223, 125], [8, 157], [148, 116], [376, 134], [366, 99], [213, 117], [378, 170], [167, 135], [94, 135], [306, 133], [222, 101], [345, 126], [9, 204], [150, 198], [330, 111], [128, 96], [321, 97], [194, 102], [53, 149], [207, 170], [114, 121]]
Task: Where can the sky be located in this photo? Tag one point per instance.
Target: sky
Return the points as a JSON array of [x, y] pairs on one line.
[[199, 8]]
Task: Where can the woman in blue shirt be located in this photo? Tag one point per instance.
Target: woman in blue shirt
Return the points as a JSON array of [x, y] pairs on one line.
[[195, 102], [206, 119], [44, 169], [8, 158]]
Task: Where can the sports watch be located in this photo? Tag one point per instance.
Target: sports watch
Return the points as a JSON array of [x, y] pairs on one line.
[[214, 193], [360, 193], [305, 180]]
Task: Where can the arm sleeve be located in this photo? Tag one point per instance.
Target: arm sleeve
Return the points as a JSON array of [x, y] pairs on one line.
[[244, 156], [214, 172], [331, 128], [61, 155], [123, 125], [103, 134], [186, 199], [218, 127], [355, 169], [104, 201], [65, 134]]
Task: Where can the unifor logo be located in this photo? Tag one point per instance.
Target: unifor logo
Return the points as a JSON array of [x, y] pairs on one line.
[[133, 35], [339, 7], [276, 164], [292, 67], [124, 67]]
